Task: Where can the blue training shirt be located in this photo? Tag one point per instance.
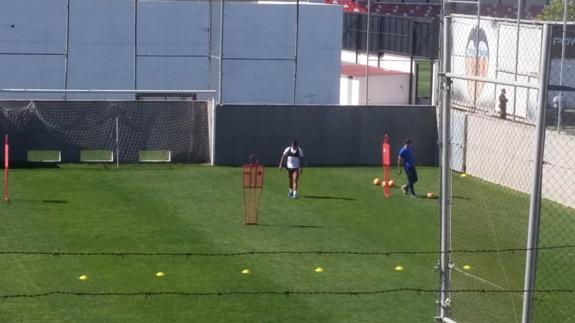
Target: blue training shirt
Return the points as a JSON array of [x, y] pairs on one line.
[[406, 153]]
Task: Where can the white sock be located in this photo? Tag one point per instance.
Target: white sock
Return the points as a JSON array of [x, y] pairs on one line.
[[294, 193], [290, 191]]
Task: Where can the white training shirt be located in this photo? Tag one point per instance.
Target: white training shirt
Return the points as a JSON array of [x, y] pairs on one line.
[[292, 161]]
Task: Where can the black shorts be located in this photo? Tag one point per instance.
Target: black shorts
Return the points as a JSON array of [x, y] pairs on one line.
[[411, 174], [292, 170]]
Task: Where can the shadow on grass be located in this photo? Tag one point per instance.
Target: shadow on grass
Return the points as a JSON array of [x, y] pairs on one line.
[[328, 197], [55, 201], [292, 226], [39, 201], [436, 197], [33, 165]]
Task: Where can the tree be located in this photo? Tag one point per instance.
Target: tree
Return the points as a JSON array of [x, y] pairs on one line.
[[554, 11]]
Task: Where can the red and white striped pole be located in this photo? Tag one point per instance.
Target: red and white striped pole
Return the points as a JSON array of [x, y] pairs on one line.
[[6, 167]]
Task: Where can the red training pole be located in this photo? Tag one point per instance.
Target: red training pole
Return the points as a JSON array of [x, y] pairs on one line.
[[386, 161], [6, 167]]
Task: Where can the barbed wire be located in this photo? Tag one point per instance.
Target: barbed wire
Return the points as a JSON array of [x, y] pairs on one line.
[[271, 293], [276, 252]]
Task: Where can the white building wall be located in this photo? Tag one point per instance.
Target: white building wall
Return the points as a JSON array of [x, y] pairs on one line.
[[383, 90], [386, 89], [387, 61], [493, 163]]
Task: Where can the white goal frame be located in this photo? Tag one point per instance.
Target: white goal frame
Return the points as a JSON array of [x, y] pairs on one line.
[[207, 96]]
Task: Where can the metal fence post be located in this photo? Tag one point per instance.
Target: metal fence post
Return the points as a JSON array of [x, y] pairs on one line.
[[117, 143], [535, 200], [445, 194], [221, 63], [296, 46], [367, 39]]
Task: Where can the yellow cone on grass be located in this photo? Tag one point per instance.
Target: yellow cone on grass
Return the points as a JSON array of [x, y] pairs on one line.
[[246, 271], [319, 270], [160, 274], [466, 267], [83, 277], [399, 268], [463, 175]]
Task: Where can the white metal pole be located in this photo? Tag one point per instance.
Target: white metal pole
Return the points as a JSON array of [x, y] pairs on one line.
[[367, 39], [213, 133], [117, 143], [477, 28], [517, 35], [535, 200], [445, 194], [113, 91], [296, 50], [66, 58], [563, 39], [221, 63], [135, 46]]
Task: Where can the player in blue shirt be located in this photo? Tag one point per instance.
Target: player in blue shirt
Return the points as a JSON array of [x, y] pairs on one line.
[[406, 156]]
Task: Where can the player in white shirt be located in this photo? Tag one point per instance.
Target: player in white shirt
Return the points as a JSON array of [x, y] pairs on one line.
[[294, 166]]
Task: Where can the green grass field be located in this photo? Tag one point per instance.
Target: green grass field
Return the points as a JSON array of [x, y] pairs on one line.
[[176, 208], [198, 209], [424, 79], [491, 217]]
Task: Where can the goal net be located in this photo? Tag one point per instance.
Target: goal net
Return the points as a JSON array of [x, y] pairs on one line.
[[107, 131]]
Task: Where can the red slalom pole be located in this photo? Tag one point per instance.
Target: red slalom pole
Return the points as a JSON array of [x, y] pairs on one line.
[[6, 167], [386, 161]]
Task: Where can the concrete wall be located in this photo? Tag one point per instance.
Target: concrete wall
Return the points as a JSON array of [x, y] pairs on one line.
[[502, 152], [33, 44], [101, 46], [329, 135], [260, 51], [172, 45]]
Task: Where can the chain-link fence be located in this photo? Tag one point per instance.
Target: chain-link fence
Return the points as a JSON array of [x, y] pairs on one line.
[[508, 88], [556, 267]]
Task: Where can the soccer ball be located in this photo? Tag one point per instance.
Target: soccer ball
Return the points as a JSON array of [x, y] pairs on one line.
[[376, 181], [430, 195], [391, 183]]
